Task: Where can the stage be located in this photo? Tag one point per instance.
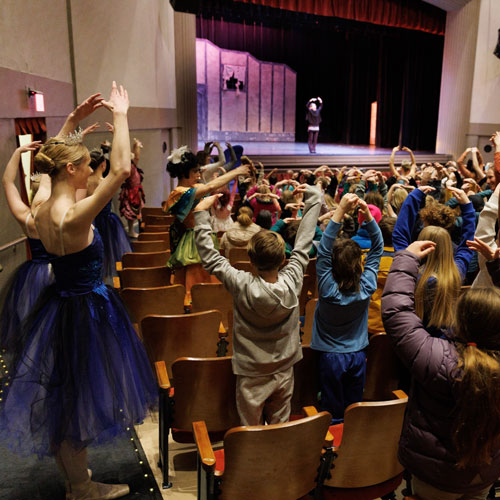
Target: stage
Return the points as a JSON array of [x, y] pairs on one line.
[[285, 155]]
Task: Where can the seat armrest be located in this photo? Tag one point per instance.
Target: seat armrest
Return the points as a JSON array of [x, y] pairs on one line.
[[400, 394], [119, 266], [162, 375], [204, 446], [116, 283]]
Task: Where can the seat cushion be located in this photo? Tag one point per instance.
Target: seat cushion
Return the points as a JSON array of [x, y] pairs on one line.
[[367, 493], [336, 431], [219, 460]]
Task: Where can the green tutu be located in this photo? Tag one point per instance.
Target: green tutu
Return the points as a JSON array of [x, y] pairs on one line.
[[186, 252]]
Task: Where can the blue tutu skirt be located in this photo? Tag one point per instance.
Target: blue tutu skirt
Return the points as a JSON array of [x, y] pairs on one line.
[[22, 293], [80, 374], [114, 239]]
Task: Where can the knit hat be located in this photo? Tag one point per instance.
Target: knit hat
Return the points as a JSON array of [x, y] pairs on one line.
[[375, 211]]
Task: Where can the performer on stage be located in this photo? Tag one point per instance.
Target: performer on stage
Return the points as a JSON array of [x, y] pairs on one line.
[[313, 118]]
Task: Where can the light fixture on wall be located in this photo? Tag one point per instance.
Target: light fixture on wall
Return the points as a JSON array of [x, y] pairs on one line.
[[37, 98]]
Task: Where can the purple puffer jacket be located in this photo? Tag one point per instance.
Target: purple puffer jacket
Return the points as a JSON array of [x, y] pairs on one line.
[[425, 447]]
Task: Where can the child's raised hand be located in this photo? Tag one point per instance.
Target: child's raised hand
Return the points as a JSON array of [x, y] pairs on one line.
[[207, 203], [349, 202], [485, 250], [421, 248]]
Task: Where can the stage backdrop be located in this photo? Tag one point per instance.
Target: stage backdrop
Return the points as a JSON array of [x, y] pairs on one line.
[[241, 98]]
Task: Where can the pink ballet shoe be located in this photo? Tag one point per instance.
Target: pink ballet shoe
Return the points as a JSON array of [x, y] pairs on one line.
[[67, 485], [90, 490]]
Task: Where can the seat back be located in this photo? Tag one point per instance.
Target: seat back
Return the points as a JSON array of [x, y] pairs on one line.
[[170, 337], [307, 292], [244, 266], [149, 246], [308, 321], [305, 380], [165, 236], [381, 369], [145, 277], [142, 302], [367, 454], [164, 228], [207, 296], [152, 211], [205, 389], [146, 259], [277, 461], [237, 254], [158, 220]]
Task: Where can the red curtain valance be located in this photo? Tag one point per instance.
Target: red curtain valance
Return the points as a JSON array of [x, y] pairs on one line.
[[408, 14]]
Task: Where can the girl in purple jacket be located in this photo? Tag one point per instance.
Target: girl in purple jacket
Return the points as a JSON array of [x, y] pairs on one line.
[[450, 440]]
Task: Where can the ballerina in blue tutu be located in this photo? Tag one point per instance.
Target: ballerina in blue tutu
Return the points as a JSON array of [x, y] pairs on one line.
[[111, 230], [32, 276], [81, 374]]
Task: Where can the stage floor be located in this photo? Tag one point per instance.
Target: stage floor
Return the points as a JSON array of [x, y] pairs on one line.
[[296, 154]]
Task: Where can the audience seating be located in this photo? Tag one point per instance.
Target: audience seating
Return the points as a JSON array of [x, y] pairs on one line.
[[168, 337], [142, 302], [309, 291], [244, 266], [150, 246], [205, 389], [152, 211], [365, 447], [207, 296], [308, 321], [165, 236], [164, 228], [382, 364], [158, 220], [237, 254], [278, 462], [145, 259], [145, 277]]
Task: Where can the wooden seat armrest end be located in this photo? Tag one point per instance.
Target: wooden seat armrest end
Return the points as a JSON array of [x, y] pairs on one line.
[[162, 375], [400, 394], [119, 266], [204, 446], [310, 411], [116, 283]]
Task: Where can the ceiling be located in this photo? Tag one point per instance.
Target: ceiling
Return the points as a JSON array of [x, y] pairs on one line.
[[448, 5]]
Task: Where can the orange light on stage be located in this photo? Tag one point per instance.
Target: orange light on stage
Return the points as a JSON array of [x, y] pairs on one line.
[[373, 124]]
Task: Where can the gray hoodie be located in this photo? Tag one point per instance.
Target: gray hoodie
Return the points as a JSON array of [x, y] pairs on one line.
[[266, 315]]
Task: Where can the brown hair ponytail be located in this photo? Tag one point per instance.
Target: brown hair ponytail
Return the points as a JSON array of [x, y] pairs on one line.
[[476, 429]]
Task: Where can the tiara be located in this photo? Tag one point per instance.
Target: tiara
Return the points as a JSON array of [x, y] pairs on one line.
[[177, 154], [70, 139], [36, 177]]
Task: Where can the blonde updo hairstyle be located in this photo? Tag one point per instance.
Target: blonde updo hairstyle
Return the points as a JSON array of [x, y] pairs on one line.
[[245, 216], [55, 154]]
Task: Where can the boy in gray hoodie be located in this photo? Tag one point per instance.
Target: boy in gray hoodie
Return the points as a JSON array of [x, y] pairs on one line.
[[266, 311]]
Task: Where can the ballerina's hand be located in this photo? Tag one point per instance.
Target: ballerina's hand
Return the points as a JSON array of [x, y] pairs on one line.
[[89, 129], [485, 250], [31, 146], [88, 106], [421, 248], [207, 202], [118, 100]]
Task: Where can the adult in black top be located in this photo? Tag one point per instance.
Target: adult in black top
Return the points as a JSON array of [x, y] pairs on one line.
[[313, 118]]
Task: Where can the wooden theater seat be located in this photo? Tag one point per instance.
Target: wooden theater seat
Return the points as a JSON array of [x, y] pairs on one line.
[[278, 462], [142, 302], [205, 389], [145, 277], [152, 211], [165, 236], [146, 259], [237, 254], [308, 321], [169, 337], [158, 220], [150, 246], [366, 466]]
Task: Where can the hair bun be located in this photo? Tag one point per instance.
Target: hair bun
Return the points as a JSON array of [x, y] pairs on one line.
[[43, 163]]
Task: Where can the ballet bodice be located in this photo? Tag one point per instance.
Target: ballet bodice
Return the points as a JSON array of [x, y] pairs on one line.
[[38, 252], [80, 272], [106, 210]]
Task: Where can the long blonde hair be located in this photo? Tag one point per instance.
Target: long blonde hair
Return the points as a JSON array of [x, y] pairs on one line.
[[439, 284], [476, 426]]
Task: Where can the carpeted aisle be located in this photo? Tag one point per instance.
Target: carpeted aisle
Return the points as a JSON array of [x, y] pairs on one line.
[[121, 461]]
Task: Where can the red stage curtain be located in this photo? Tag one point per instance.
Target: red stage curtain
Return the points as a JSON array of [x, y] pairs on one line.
[[398, 13]]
